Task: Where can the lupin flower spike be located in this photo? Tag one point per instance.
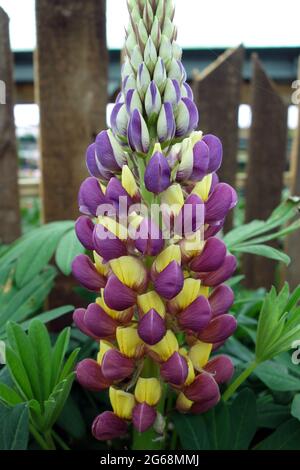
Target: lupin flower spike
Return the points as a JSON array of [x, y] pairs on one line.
[[156, 282]]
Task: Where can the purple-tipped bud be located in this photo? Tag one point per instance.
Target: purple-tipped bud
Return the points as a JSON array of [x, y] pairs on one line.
[[169, 282], [90, 196], [119, 119], [143, 416], [187, 117], [215, 152], [221, 368], [222, 274], [85, 272], [166, 123], [93, 165], [133, 101], [222, 199], [118, 296], [150, 240], [191, 216], [186, 91], [221, 299], [109, 152], [203, 388], [89, 375], [172, 93], [99, 322], [205, 405], [108, 426], [175, 369], [212, 230], [157, 174], [138, 134], [152, 100], [211, 257], [219, 329], [115, 366], [196, 316], [114, 191], [200, 161], [84, 227], [110, 247], [78, 318], [151, 327]]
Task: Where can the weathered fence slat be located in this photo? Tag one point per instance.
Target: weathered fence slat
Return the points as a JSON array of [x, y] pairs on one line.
[[10, 227], [217, 94], [293, 241], [266, 163], [71, 73]]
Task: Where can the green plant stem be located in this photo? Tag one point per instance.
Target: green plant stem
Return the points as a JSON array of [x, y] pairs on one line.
[[38, 438], [60, 441], [49, 440], [239, 380]]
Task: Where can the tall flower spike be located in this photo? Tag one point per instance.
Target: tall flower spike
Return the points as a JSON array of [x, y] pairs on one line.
[[161, 303]]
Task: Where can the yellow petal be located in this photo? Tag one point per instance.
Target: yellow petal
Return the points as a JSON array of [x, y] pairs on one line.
[[129, 341], [173, 197], [166, 347], [115, 314], [196, 136], [193, 245], [187, 295], [183, 403], [191, 372], [104, 347], [151, 300], [113, 226], [129, 270], [148, 391], [199, 354], [101, 267], [122, 402], [172, 253], [202, 188], [128, 181], [204, 291]]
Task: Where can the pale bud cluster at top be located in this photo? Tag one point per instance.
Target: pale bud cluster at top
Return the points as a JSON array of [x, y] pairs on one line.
[[162, 305]]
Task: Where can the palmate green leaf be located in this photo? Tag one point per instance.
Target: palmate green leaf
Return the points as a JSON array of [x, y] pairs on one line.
[[68, 247], [242, 233], [56, 401], [262, 250], [71, 419], [243, 420], [286, 437], [9, 396], [277, 377], [23, 348], [69, 365], [41, 345], [295, 409], [15, 431], [50, 315], [192, 431], [271, 415], [18, 374], [58, 354], [218, 427], [274, 236]]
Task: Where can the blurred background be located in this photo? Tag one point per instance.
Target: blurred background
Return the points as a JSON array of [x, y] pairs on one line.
[[241, 61]]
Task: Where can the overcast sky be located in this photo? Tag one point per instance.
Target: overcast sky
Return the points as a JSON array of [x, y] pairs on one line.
[[200, 23]]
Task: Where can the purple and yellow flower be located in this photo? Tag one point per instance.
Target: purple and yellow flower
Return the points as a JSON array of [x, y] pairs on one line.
[[162, 305]]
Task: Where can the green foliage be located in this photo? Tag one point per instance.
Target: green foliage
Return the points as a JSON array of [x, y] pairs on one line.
[[14, 430], [41, 377]]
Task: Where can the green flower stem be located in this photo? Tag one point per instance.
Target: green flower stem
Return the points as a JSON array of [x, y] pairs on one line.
[[39, 439], [239, 380], [49, 440], [60, 441]]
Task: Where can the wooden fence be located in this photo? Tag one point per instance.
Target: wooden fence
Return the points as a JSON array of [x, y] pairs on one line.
[[71, 84]]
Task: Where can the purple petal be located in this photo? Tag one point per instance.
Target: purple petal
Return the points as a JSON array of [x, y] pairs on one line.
[[84, 227], [203, 388], [212, 230], [143, 416], [157, 174], [175, 369], [90, 196], [219, 203], [110, 247], [221, 299], [89, 375], [108, 426], [151, 327], [136, 139], [166, 123], [191, 216], [115, 366], [189, 91], [118, 296], [200, 161], [99, 322], [221, 367], [219, 329], [91, 161], [78, 318], [221, 275], [192, 119], [115, 190], [170, 281], [85, 272], [150, 242], [205, 405], [196, 316], [211, 257], [215, 152], [105, 152]]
